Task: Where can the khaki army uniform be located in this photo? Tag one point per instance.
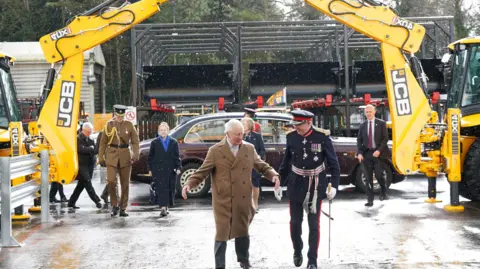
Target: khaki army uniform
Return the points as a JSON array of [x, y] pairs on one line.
[[115, 153]]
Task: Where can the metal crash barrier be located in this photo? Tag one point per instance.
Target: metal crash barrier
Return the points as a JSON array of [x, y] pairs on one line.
[[14, 196]]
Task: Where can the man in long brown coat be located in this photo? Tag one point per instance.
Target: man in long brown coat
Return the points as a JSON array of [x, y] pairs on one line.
[[114, 152], [231, 162]]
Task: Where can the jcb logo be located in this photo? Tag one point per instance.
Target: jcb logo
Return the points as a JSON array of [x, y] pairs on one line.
[[402, 22], [65, 109], [15, 145], [400, 88], [60, 33]]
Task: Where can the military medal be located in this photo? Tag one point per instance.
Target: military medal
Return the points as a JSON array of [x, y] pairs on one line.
[[304, 141], [316, 147], [315, 158]]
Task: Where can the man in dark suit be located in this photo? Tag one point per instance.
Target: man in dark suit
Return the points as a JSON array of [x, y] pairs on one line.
[[256, 140], [86, 163], [372, 151]]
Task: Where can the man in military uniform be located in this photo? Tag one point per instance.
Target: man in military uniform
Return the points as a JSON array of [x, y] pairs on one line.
[[308, 148], [251, 113], [114, 153]]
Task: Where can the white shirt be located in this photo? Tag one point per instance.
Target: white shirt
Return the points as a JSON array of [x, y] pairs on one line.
[[373, 131], [234, 149]]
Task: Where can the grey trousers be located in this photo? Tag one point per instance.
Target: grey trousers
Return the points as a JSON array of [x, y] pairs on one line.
[[242, 244]]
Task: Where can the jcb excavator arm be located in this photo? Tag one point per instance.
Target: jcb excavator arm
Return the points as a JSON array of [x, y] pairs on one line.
[[410, 109], [375, 21], [59, 116], [420, 142]]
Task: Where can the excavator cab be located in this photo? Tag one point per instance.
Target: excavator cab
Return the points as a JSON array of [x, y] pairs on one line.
[[9, 111], [462, 74], [464, 83]]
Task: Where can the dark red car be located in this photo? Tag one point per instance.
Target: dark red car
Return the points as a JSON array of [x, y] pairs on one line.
[[199, 133]]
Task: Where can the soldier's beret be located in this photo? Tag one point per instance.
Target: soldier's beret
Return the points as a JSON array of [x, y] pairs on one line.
[[300, 116], [119, 109]]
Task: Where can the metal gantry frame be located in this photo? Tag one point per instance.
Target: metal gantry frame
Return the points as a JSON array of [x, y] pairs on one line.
[[320, 40]]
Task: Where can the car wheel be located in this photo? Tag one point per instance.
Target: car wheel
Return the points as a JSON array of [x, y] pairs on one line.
[[361, 179], [201, 190]]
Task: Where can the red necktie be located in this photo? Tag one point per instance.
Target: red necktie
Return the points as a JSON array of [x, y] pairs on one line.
[[370, 144]]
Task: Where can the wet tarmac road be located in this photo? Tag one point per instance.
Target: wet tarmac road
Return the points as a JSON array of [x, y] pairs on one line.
[[402, 232]]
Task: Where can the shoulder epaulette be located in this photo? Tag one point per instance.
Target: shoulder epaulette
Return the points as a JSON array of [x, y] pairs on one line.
[[324, 131]]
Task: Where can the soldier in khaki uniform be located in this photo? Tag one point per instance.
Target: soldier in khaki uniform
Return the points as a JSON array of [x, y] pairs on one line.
[[114, 153]]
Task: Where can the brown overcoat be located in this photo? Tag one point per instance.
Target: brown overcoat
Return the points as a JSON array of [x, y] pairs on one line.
[[231, 186]]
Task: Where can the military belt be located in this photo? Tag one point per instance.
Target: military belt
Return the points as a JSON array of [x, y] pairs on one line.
[[308, 172], [121, 146]]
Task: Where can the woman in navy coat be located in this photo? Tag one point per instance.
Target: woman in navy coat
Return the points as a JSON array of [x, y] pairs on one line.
[[164, 164]]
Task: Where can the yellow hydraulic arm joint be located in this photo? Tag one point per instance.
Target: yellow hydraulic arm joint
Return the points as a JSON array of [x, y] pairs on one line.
[[59, 117]]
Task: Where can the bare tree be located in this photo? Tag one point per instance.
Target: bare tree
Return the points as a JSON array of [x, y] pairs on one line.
[[27, 4]]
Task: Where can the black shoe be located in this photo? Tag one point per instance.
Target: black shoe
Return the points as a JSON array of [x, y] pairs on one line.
[[115, 211], [64, 200], [105, 198], [311, 266], [163, 212], [298, 260], [383, 197], [54, 200], [123, 213], [369, 204], [245, 265], [73, 206], [98, 204]]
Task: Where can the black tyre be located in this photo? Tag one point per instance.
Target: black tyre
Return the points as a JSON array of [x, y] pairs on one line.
[[469, 187], [361, 179], [187, 171]]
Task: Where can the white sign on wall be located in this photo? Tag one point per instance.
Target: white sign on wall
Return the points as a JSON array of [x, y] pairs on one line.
[[131, 114]]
